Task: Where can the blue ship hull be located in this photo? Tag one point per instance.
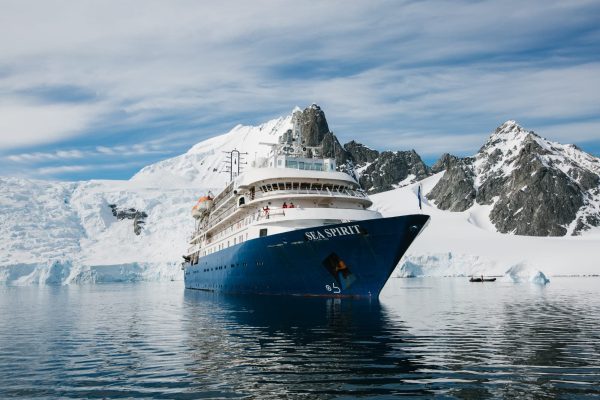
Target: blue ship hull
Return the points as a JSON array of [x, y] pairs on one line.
[[353, 259]]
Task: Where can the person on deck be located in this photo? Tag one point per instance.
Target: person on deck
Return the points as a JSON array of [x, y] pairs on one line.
[[285, 205], [291, 205]]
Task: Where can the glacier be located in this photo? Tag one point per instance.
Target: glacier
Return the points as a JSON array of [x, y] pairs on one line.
[[65, 232]]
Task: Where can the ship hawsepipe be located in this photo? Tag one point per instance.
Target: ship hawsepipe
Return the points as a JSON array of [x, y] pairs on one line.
[[353, 259]]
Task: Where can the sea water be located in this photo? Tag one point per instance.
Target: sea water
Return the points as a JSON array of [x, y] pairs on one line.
[[427, 337]]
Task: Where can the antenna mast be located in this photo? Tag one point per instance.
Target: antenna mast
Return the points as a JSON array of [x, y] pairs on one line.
[[234, 162]]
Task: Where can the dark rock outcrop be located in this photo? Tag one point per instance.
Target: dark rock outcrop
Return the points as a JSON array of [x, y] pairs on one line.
[[360, 153], [138, 217], [313, 125], [390, 168], [375, 171], [331, 148], [455, 190], [444, 163]]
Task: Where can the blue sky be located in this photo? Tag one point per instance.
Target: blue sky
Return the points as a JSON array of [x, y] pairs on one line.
[[99, 89]]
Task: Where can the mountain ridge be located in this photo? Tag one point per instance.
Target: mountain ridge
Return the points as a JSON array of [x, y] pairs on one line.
[[535, 186], [70, 227]]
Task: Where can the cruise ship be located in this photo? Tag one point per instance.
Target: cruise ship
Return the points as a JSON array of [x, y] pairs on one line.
[[291, 224]]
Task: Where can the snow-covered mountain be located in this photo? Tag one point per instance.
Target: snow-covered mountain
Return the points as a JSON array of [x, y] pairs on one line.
[[533, 186], [58, 232], [202, 166], [101, 230]]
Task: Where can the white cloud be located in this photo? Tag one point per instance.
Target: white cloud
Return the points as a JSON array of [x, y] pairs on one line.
[[570, 132], [145, 148], [61, 169], [385, 67], [64, 169], [25, 124]]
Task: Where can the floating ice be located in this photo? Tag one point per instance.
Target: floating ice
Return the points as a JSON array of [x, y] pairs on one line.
[[523, 273]]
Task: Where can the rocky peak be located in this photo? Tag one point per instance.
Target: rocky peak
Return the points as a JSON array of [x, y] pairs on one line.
[[504, 141], [313, 124], [360, 153], [537, 187], [445, 162]]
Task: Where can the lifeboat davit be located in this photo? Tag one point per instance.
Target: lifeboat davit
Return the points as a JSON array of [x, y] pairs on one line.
[[202, 207]]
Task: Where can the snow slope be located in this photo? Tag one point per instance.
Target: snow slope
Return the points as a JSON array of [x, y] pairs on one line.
[[202, 165], [57, 232], [466, 243]]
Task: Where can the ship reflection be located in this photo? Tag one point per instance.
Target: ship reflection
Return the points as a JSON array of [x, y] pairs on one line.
[[279, 346]]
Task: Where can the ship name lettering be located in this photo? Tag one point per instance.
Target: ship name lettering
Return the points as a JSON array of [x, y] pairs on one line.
[[333, 232]]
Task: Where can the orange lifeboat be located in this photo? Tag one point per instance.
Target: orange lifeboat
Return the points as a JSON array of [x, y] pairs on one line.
[[202, 206]]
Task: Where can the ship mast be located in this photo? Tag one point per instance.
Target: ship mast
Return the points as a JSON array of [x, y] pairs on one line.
[[233, 163]]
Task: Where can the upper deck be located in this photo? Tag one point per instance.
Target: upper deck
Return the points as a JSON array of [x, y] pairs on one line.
[[259, 176]]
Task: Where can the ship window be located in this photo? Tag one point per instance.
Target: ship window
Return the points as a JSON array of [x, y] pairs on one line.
[[292, 164], [295, 185], [279, 162], [288, 186], [304, 186], [263, 232], [301, 164]]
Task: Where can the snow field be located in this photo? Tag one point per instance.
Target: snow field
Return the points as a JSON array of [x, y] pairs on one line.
[[466, 243]]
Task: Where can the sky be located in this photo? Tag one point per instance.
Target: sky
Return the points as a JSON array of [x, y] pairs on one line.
[[99, 89]]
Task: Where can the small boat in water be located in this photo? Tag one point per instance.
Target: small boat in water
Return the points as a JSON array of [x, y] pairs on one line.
[[482, 279]]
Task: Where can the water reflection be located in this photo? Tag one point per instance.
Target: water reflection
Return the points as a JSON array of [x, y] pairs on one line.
[[272, 346], [430, 337]]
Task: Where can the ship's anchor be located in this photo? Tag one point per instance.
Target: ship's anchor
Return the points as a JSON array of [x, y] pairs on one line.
[[335, 289]]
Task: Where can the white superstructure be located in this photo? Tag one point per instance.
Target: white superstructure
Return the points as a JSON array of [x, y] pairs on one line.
[[291, 189]]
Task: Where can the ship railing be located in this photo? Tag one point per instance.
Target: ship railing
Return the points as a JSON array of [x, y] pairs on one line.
[[222, 214], [192, 249], [262, 214], [319, 192]]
